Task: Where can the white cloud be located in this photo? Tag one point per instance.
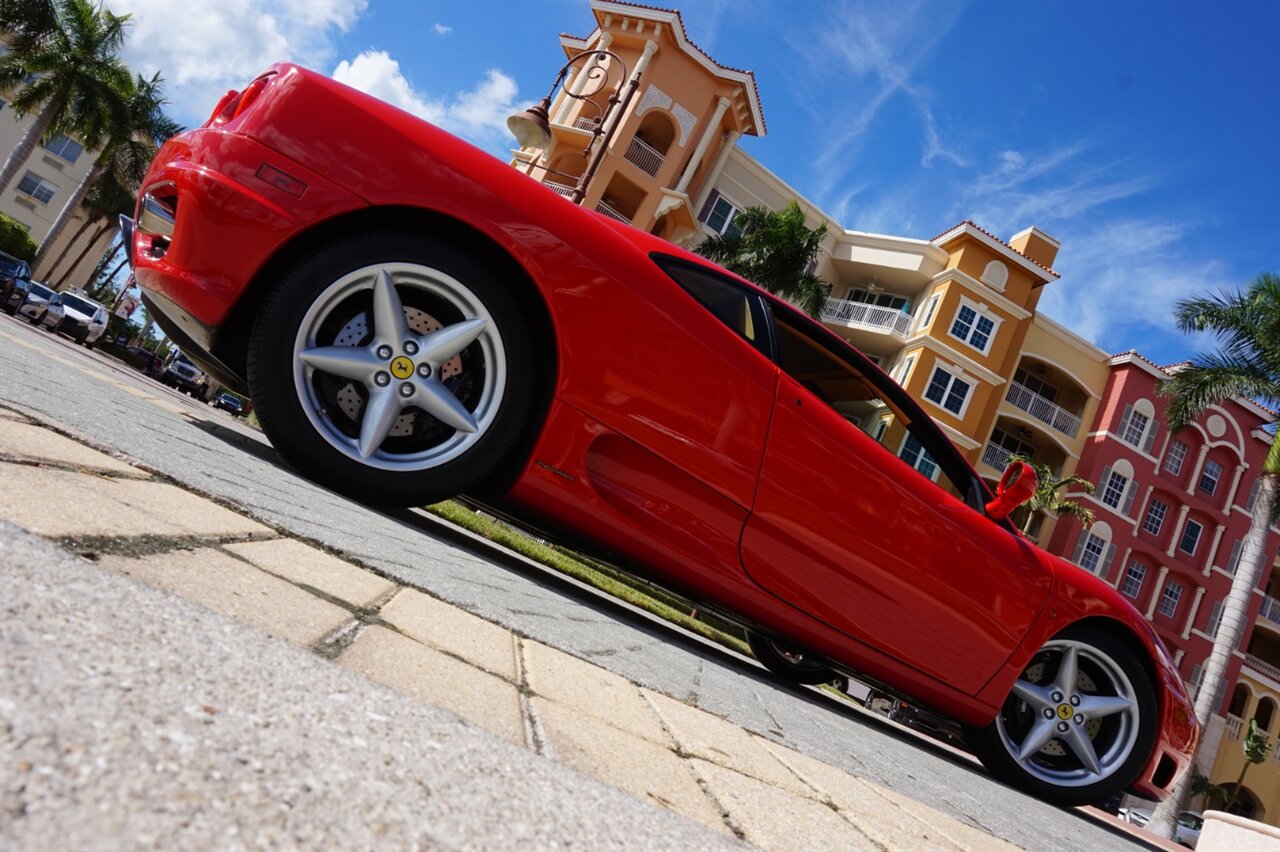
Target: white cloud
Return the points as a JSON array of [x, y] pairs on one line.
[[441, 29], [203, 49], [478, 114]]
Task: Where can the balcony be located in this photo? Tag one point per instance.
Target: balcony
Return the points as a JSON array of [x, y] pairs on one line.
[[587, 124], [611, 213], [645, 156], [1027, 400], [1270, 610], [996, 456], [558, 188], [872, 317], [1262, 667], [1234, 724]]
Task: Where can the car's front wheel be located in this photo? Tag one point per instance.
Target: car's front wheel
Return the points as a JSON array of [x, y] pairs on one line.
[[1079, 724], [394, 367], [791, 663]]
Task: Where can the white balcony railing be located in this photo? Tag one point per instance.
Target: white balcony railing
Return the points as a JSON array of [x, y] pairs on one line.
[[611, 213], [559, 188], [1262, 667], [1234, 724], [587, 124], [1270, 609], [996, 456], [644, 155], [861, 315], [1022, 397]]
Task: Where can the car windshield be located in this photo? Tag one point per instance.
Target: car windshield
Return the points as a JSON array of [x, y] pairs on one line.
[[79, 304], [42, 291], [182, 359]]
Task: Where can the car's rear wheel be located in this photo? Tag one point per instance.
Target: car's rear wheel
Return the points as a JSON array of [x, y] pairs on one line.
[[1079, 723], [393, 367], [791, 663]]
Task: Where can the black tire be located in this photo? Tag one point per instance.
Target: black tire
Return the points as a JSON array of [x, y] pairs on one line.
[[88, 345], [317, 428], [794, 665], [1121, 742]]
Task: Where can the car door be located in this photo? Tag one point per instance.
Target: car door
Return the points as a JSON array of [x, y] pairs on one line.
[[865, 518]]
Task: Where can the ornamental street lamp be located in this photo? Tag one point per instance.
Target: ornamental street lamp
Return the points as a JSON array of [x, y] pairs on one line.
[[532, 127]]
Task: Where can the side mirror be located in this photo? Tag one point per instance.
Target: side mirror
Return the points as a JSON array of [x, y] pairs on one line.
[[1015, 488]]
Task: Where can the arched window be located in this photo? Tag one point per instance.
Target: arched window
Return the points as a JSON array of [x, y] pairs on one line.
[[1263, 715], [996, 274], [1239, 700]]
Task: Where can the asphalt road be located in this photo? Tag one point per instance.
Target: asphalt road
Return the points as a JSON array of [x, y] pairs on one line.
[[88, 394]]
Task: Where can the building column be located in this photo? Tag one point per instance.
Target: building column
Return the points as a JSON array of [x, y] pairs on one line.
[[615, 115], [726, 147], [1146, 499], [1191, 617], [722, 106], [1155, 596], [1235, 485], [1195, 474], [1213, 549], [1177, 529], [1124, 567], [1177, 658], [580, 80]]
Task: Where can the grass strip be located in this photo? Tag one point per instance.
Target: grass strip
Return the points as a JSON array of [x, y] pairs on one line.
[[596, 574]]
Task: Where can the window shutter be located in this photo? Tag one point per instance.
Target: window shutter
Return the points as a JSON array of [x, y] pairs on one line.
[[1101, 484], [1124, 421], [1152, 428], [1075, 557], [710, 203], [1105, 567], [1131, 491], [1234, 561]]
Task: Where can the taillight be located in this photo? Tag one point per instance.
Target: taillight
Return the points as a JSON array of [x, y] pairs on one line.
[[234, 103]]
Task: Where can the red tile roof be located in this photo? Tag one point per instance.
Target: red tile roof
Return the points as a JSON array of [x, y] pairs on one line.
[[976, 227]]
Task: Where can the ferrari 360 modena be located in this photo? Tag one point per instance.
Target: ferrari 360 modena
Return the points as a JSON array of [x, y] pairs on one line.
[[415, 320]]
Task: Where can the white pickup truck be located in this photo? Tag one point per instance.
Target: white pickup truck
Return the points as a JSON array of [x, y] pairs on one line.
[[186, 376]]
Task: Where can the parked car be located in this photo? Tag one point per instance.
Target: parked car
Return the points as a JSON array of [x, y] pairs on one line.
[[417, 320], [15, 280], [229, 403], [1187, 832], [76, 316], [182, 373], [144, 360], [33, 307]]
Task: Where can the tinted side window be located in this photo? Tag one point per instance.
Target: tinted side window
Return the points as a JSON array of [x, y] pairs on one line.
[[728, 301]]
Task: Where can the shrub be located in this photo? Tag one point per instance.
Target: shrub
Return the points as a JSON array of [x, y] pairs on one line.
[[15, 240]]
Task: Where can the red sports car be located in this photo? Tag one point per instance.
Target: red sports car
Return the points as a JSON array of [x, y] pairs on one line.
[[416, 320]]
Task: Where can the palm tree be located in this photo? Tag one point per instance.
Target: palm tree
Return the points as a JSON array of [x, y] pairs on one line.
[[1048, 500], [1247, 364], [63, 63], [105, 200], [776, 250], [125, 154]]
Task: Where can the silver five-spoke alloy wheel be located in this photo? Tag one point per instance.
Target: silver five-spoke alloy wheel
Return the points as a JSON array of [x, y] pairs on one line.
[[399, 366], [1073, 716]]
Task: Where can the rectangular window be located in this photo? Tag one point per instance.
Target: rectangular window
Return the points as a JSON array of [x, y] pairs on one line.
[[947, 391], [1233, 561], [1113, 491], [1036, 385], [1091, 553], [1135, 429], [930, 311], [1169, 598], [879, 298], [37, 187], [65, 147], [1194, 683], [1175, 457], [1155, 516], [1210, 476], [1253, 495], [1133, 578], [1190, 537], [914, 454], [901, 374], [722, 216], [973, 328]]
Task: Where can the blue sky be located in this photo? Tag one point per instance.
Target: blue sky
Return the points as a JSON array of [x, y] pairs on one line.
[[1143, 135]]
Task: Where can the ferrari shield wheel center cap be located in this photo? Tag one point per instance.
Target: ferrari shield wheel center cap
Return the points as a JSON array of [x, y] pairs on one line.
[[1065, 711], [401, 367]]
